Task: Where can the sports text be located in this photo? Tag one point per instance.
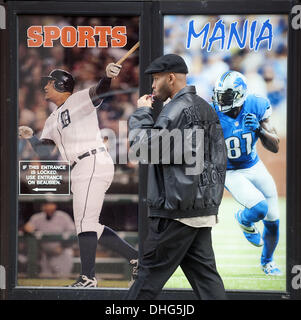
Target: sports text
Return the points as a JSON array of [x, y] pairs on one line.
[[81, 36]]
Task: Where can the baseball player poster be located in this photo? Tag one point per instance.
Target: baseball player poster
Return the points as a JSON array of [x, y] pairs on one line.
[[78, 83], [239, 65]]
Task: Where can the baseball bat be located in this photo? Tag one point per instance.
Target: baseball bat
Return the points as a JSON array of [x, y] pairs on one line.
[[134, 47]]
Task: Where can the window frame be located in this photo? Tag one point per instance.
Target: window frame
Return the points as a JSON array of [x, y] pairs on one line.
[[151, 15]]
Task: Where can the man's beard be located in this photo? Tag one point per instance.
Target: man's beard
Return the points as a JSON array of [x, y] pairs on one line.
[[164, 94]]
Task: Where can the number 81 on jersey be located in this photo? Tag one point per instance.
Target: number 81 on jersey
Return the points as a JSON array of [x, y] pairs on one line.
[[235, 146]]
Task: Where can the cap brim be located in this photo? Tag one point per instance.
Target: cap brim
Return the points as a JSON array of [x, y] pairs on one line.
[[151, 71], [47, 78], [44, 81]]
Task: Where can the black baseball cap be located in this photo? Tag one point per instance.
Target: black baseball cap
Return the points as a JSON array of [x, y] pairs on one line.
[[167, 63]]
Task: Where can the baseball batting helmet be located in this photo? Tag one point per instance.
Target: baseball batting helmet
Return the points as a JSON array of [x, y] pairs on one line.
[[63, 80]]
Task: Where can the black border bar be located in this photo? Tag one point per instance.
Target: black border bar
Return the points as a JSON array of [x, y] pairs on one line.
[[151, 15]]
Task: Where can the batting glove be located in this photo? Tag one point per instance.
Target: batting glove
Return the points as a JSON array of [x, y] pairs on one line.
[[112, 70], [25, 132], [251, 122]]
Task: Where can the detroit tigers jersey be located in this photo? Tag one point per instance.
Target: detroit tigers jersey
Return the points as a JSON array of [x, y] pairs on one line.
[[241, 141], [74, 126]]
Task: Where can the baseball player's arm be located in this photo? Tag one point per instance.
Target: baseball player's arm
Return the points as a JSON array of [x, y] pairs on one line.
[[268, 136], [104, 84], [97, 91], [43, 147]]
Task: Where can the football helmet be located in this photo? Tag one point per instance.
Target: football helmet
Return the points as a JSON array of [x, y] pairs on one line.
[[230, 91]]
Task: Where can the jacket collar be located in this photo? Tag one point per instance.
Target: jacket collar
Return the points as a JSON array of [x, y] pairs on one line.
[[187, 89]]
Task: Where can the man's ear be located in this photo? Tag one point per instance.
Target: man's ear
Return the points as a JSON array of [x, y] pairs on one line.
[[171, 78]]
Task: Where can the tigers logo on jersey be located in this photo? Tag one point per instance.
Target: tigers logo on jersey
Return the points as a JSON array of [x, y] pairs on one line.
[[65, 118]]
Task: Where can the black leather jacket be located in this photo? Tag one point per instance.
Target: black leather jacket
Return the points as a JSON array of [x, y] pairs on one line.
[[172, 193]]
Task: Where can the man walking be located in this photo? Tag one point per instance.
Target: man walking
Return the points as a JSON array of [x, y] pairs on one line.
[[183, 204]]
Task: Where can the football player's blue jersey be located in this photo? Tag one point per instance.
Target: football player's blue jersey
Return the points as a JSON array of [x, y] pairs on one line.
[[241, 141]]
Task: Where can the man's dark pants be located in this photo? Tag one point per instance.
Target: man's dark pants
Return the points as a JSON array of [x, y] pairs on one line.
[[170, 244]]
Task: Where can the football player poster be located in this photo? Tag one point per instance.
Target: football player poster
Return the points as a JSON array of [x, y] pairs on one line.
[[78, 83], [239, 65]]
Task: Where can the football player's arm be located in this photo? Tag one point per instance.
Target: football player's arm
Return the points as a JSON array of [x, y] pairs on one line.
[[268, 136], [103, 86]]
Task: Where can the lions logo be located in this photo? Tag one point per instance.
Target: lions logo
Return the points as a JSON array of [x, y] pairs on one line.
[[239, 82]]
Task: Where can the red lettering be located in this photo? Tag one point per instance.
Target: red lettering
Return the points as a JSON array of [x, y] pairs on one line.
[[103, 32], [86, 35], [34, 33], [51, 33], [119, 38], [68, 36]]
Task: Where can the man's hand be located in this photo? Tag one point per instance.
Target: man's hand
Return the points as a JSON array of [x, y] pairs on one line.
[[25, 132], [112, 70], [251, 122], [145, 101]]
